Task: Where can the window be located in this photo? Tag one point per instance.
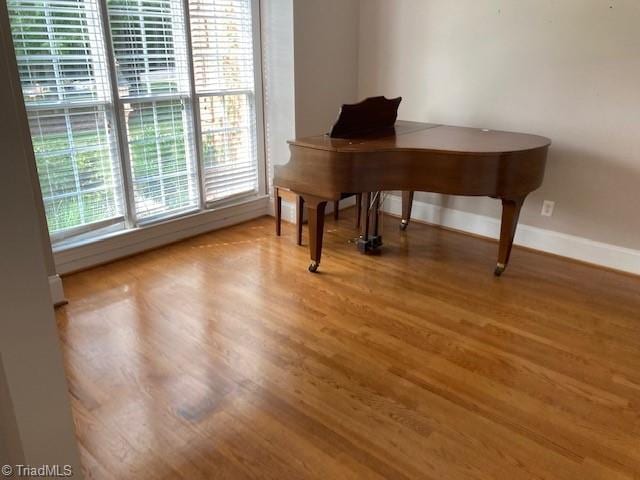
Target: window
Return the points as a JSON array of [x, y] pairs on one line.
[[140, 110], [62, 65], [152, 72], [223, 66]]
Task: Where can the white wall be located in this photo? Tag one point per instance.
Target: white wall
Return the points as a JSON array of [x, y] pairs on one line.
[[569, 70], [326, 61], [6, 416], [278, 79], [10, 446], [310, 63], [34, 406]]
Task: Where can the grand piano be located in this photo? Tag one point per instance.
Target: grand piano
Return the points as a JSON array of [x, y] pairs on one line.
[[368, 150]]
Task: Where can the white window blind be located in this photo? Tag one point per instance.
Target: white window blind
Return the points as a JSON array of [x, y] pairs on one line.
[[133, 121], [163, 170], [153, 78], [61, 61], [149, 47], [222, 43]]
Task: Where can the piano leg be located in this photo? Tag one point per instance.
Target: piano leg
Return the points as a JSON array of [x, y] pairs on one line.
[[315, 211], [407, 203], [510, 213]]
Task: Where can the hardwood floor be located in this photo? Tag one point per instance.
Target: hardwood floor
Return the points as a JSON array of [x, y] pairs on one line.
[[222, 357]]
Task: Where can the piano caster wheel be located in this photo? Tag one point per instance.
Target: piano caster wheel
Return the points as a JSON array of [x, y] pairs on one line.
[[313, 267], [403, 225], [499, 269]]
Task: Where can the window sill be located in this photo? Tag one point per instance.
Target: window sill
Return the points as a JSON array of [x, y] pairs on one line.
[[82, 255]]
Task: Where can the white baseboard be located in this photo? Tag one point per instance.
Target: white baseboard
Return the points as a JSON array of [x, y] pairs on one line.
[[141, 239], [578, 248], [57, 290], [289, 212]]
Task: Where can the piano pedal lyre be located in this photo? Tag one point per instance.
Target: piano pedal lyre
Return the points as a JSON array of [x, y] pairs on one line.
[[370, 242]]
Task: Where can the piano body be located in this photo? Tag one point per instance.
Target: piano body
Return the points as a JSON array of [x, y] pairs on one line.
[[371, 152]]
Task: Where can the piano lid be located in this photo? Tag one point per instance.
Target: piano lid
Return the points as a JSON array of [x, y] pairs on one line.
[[371, 126], [429, 137]]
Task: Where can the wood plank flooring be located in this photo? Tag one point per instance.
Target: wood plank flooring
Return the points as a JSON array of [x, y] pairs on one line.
[[221, 357]]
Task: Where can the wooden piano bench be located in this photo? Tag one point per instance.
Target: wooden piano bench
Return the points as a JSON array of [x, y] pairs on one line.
[[280, 193]]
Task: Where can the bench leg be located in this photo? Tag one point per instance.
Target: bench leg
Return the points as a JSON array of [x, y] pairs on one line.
[[277, 207]]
